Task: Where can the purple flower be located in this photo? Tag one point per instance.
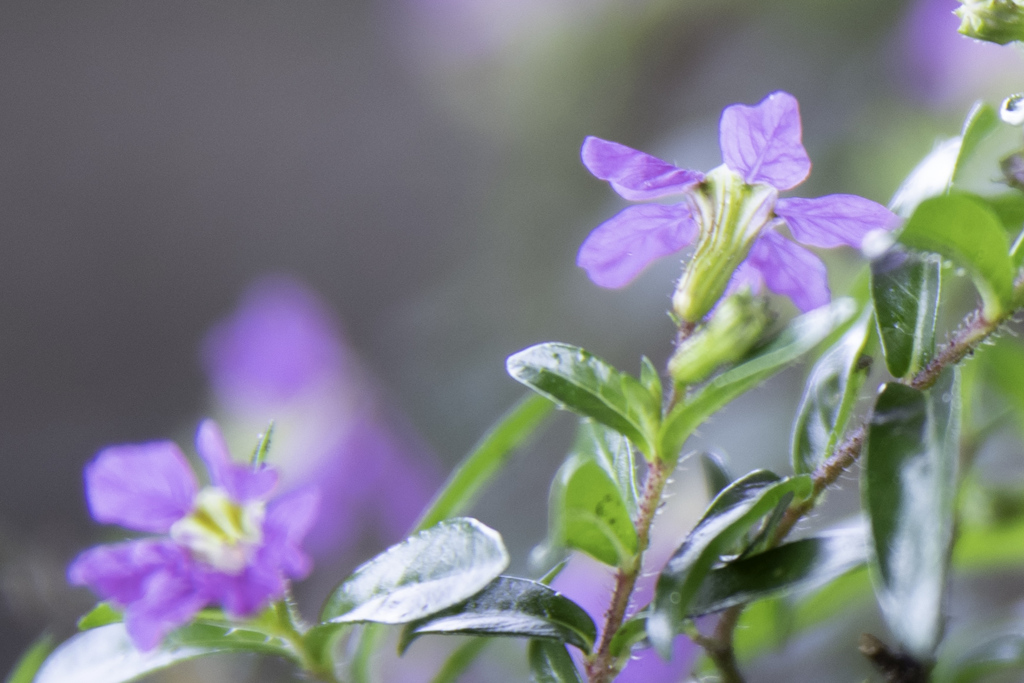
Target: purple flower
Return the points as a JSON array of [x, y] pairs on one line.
[[229, 543], [733, 213]]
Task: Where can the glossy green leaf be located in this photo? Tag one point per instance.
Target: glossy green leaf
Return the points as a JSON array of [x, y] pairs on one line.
[[511, 607], [593, 497], [829, 398], [550, 663], [905, 290], [460, 660], [803, 564], [424, 574], [727, 519], [105, 654], [486, 459], [800, 336], [964, 230], [908, 486], [716, 473], [650, 379], [571, 376], [28, 664]]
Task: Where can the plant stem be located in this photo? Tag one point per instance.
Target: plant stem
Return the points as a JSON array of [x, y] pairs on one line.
[[601, 667]]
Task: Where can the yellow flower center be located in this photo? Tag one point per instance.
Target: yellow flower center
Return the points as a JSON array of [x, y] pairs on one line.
[[219, 531]]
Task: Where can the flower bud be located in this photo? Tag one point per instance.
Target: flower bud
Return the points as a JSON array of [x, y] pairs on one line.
[[731, 214], [997, 21], [733, 329]]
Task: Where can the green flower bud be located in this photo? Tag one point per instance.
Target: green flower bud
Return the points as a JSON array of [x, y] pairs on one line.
[[731, 214], [997, 21], [730, 333]]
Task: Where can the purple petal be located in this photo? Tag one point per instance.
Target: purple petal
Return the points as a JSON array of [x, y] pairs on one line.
[[146, 487], [834, 220], [790, 270], [242, 482], [747, 275], [289, 519], [633, 174], [763, 143], [244, 594], [618, 249], [120, 571], [171, 599]]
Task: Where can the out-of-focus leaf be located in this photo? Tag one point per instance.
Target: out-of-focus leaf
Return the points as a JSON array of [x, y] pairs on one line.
[[511, 607], [729, 516], [1003, 367], [980, 122], [905, 290], [829, 398], [799, 337], [27, 666], [716, 473], [571, 376], [964, 230], [1009, 208], [909, 486], [802, 564], [984, 651], [460, 660], [424, 574], [487, 458], [105, 654], [102, 614], [550, 663], [259, 454]]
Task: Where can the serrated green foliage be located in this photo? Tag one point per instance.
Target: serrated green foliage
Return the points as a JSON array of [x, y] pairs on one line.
[[799, 337], [490, 454], [803, 564], [905, 289], [964, 230], [716, 473], [510, 607], [829, 398], [578, 380], [727, 519], [550, 663], [25, 669], [106, 653], [424, 574], [102, 614], [908, 487]]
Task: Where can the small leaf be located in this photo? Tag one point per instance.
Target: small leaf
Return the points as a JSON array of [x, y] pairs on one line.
[[550, 663], [426, 573], [650, 379], [829, 398], [905, 290], [799, 565], [571, 376], [27, 666], [487, 458], [908, 487], [614, 454], [259, 454], [967, 232], [102, 614], [980, 122], [511, 607], [589, 514], [107, 655], [727, 519], [800, 336], [716, 474]]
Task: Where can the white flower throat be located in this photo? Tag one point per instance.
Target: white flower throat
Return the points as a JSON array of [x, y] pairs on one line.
[[220, 532]]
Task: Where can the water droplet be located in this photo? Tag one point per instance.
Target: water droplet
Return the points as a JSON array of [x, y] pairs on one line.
[[1012, 110], [675, 598]]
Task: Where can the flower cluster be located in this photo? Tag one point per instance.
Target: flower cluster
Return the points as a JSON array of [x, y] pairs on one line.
[[229, 543], [733, 213]]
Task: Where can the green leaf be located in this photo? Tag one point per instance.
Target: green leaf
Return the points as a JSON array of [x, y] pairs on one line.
[[980, 122], [426, 573], [905, 290], [614, 454], [799, 337], [727, 519], [102, 614], [650, 378], [1003, 368], [799, 565], [571, 376], [908, 486], [511, 607], [27, 666], [487, 458], [716, 474], [964, 230], [829, 398], [106, 654], [460, 660], [550, 663], [259, 454], [982, 651]]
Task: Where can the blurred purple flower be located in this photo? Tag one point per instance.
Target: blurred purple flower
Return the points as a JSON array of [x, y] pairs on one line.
[[229, 543], [281, 356], [763, 153]]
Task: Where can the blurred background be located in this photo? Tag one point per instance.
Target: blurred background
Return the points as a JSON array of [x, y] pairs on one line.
[[196, 198]]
